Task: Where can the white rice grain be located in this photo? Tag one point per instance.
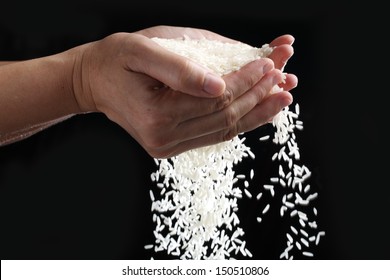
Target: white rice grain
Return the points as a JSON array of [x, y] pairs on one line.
[[266, 208], [248, 194], [294, 230], [264, 138], [252, 173], [307, 254]]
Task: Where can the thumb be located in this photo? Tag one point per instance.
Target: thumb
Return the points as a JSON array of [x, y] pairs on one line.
[[175, 71]]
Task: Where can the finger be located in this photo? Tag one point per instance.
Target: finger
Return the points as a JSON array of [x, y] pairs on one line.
[[290, 82], [237, 83], [281, 54], [240, 81], [265, 111], [281, 40], [230, 116], [256, 118], [174, 70]]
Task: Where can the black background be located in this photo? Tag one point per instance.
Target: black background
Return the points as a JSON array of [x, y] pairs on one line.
[[80, 189]]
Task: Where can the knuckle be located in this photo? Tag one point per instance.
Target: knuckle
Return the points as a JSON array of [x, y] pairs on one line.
[[232, 124], [134, 43], [224, 100], [154, 144], [230, 133], [231, 116], [251, 80], [155, 153], [186, 72], [261, 92]]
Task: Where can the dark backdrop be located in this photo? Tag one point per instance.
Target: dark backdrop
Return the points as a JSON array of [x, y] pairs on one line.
[[80, 189]]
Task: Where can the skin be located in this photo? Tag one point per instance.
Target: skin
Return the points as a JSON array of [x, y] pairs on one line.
[[168, 103]]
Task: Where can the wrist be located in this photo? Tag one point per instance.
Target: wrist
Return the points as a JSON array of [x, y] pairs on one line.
[[77, 78]]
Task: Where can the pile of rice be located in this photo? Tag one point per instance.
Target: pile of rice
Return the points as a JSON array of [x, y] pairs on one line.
[[196, 193]]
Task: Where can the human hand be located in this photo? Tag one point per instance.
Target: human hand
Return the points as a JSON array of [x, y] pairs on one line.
[[124, 76]]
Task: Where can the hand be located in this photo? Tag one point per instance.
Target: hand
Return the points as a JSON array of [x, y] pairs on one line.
[[123, 76]]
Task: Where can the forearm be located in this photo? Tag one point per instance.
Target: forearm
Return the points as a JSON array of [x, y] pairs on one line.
[[6, 62], [35, 94]]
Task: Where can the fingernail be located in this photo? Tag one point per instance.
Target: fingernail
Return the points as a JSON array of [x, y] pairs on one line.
[[213, 84]]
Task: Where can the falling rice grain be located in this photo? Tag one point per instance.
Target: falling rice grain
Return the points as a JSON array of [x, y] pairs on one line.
[[264, 138], [294, 230], [307, 254], [252, 173], [266, 208], [248, 194]]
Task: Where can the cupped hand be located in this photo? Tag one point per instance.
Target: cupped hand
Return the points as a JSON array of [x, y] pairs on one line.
[[170, 104]]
